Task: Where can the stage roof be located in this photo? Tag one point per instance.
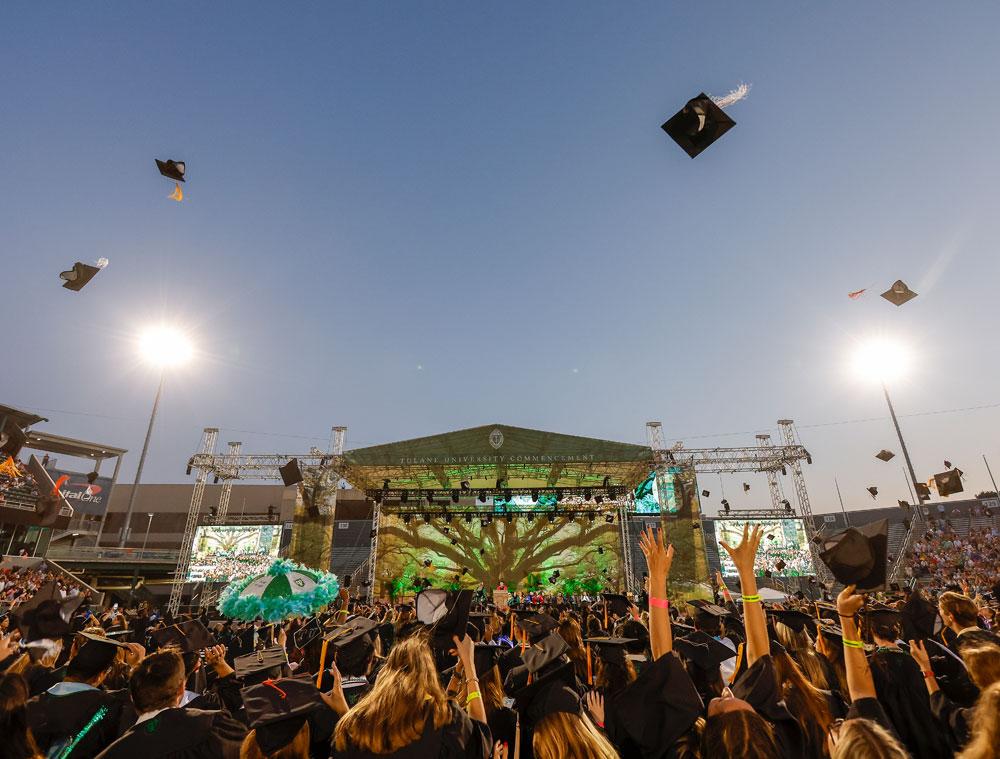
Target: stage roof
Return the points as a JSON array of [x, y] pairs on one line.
[[21, 418], [522, 457], [67, 446]]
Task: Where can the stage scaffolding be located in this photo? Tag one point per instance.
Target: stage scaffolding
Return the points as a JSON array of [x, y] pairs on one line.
[[439, 473]]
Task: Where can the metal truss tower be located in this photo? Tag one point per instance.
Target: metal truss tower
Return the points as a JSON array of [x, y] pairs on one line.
[[790, 437], [208, 440], [777, 497], [626, 543], [373, 551], [227, 485]]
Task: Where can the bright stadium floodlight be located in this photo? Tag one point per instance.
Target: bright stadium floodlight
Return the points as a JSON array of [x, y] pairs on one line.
[[165, 346], [881, 359]]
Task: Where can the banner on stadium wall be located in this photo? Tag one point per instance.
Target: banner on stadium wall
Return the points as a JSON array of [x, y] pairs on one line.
[[84, 497]]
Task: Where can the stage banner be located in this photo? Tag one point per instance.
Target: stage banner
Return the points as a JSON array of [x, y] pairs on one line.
[[84, 497]]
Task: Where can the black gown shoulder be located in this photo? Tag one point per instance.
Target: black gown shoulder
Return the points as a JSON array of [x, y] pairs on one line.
[[181, 733]]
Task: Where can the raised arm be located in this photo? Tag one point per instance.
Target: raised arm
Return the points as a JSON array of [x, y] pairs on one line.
[[658, 560], [859, 677], [754, 620]]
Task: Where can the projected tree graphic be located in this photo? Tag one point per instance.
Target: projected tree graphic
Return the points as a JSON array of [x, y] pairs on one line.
[[500, 550]]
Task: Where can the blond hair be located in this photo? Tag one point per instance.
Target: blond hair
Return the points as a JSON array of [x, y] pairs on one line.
[[983, 663], [297, 748], [864, 739], [570, 736], [985, 726], [395, 711]]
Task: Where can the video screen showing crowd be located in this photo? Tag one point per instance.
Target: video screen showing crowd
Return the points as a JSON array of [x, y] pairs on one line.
[[869, 672]]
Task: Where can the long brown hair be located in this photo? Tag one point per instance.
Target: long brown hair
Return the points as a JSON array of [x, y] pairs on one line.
[[395, 711], [298, 748], [570, 736], [800, 646], [492, 688], [569, 631], [803, 699], [17, 743], [985, 727], [983, 663], [738, 734]]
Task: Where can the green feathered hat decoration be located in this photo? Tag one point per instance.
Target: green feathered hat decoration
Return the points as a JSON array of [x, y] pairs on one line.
[[286, 590]]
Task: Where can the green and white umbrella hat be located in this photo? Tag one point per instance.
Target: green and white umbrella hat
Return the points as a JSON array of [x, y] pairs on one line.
[[286, 590]]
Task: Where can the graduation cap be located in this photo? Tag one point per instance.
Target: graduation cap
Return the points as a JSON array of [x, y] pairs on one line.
[[872, 491], [536, 623], [610, 650], [277, 710], [447, 613], [307, 633], [831, 630], [947, 464], [920, 618], [189, 636], [660, 706], [923, 491], [617, 603], [885, 455], [290, 473], [486, 656], [79, 276], [792, 618], [96, 654], [698, 124], [704, 651], [898, 293], [353, 642], [552, 676], [171, 169], [266, 664], [949, 482], [780, 565], [746, 487], [46, 615], [858, 555], [707, 607], [879, 615], [826, 611], [705, 494]]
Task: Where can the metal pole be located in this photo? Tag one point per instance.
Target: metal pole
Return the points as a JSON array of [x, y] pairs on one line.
[[142, 461], [909, 489], [847, 519], [902, 443], [107, 506], [146, 539], [991, 476]]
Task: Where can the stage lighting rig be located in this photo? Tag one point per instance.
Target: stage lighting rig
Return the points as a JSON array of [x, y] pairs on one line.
[[482, 496], [455, 495], [587, 494]]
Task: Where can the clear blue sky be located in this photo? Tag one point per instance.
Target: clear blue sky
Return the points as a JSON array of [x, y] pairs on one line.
[[415, 217]]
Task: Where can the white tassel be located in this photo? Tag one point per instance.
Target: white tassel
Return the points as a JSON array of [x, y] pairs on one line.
[[733, 96]]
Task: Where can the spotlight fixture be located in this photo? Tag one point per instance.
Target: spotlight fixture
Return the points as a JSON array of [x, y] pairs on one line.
[[499, 483], [586, 494], [427, 562], [508, 496], [531, 518], [606, 482], [378, 497], [430, 496], [785, 502], [427, 518], [465, 570], [559, 494], [454, 541], [552, 518], [484, 522], [372, 534], [445, 530], [482, 496], [404, 496], [534, 495], [591, 516], [447, 518], [599, 499], [600, 549], [385, 484], [468, 518], [510, 518], [455, 495], [188, 470]]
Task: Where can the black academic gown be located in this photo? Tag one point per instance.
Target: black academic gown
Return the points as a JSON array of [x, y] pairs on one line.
[[972, 638], [899, 684], [758, 687], [58, 719], [181, 733], [461, 738]]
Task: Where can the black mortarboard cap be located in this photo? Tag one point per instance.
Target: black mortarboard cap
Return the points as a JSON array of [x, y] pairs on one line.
[[826, 611], [307, 633], [536, 623], [831, 630], [858, 555], [290, 473], [923, 490], [705, 494], [353, 641], [486, 656], [877, 614], [538, 656], [277, 709], [949, 482], [792, 618], [552, 675], [659, 707], [617, 603], [610, 650], [447, 612], [267, 664], [885, 455], [188, 636], [79, 276], [872, 491], [704, 651], [780, 565], [898, 293], [96, 654], [171, 169], [920, 618], [46, 614], [707, 607], [698, 124]]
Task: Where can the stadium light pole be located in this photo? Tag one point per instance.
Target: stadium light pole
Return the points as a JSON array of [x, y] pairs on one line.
[[883, 360], [163, 347]]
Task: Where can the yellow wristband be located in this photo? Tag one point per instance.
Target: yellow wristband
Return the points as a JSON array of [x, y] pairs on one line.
[[751, 599], [853, 643], [472, 697]]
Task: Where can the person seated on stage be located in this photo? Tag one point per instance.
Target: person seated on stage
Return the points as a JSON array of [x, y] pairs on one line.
[[77, 710], [407, 713], [163, 727]]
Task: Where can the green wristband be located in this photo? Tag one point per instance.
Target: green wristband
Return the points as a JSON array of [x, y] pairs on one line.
[[853, 643]]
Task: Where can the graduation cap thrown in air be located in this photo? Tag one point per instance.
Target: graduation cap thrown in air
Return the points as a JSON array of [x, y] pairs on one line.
[[698, 124], [746, 487], [949, 482], [705, 494], [290, 473], [898, 293], [174, 170], [872, 491], [858, 555], [885, 455], [277, 710], [79, 276]]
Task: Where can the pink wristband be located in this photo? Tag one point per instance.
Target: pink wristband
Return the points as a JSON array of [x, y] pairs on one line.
[[659, 603]]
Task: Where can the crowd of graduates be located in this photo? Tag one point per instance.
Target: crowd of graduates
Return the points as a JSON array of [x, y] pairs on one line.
[[879, 675]]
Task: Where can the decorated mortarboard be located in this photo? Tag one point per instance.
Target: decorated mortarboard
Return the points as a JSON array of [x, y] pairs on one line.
[[617, 603], [610, 650], [857, 556], [885, 455], [660, 706], [306, 634], [290, 473], [898, 293], [79, 276], [698, 124], [188, 636], [830, 629], [266, 664], [826, 610], [353, 642], [277, 710], [792, 618], [949, 482], [101, 639], [704, 651]]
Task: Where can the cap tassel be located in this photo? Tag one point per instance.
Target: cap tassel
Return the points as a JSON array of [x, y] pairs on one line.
[[272, 684], [178, 193], [590, 668], [322, 663]]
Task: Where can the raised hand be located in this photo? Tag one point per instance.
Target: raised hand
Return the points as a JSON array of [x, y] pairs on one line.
[[744, 554], [849, 602], [595, 705], [659, 557]]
